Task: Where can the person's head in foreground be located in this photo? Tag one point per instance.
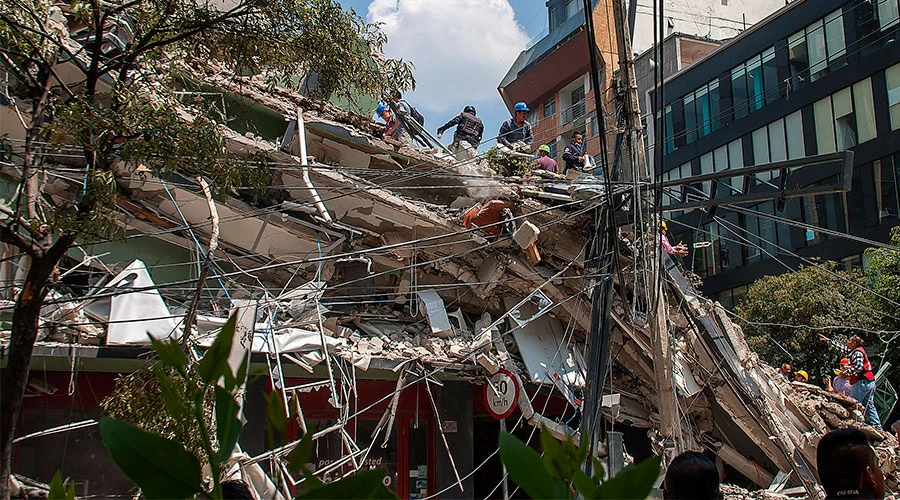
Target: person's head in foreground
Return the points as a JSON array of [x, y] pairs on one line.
[[691, 476], [848, 466]]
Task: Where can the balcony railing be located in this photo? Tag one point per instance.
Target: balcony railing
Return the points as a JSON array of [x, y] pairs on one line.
[[573, 112]]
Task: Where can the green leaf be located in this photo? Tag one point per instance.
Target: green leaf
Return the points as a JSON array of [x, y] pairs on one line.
[[159, 466], [561, 458], [215, 362], [299, 456], [631, 483], [584, 484], [365, 484], [525, 467], [228, 427], [174, 405], [170, 353], [276, 421], [58, 490]]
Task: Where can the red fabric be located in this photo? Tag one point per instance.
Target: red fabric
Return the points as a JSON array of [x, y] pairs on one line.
[[485, 215], [867, 368]]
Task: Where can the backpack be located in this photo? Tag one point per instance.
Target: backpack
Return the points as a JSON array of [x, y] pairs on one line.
[[414, 113]]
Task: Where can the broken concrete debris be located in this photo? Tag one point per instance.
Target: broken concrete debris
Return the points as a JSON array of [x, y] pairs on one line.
[[415, 280]]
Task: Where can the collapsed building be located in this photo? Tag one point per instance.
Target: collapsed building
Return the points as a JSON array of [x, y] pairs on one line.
[[382, 289]]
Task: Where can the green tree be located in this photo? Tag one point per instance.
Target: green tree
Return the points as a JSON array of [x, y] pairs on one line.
[[782, 316], [883, 270], [110, 104]]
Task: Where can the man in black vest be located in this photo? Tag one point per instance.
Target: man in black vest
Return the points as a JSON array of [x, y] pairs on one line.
[[469, 129]]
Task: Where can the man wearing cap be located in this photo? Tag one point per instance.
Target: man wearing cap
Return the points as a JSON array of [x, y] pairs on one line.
[[544, 162], [467, 136], [393, 127], [515, 133]]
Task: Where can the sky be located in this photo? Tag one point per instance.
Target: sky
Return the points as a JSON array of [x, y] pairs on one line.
[[461, 50]]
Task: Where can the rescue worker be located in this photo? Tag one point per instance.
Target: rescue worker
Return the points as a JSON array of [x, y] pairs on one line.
[[801, 376], [574, 153], [680, 249], [515, 133], [544, 161], [860, 375], [393, 127], [469, 131]]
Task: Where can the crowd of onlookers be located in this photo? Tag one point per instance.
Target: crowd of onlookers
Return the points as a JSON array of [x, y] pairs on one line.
[[847, 464]]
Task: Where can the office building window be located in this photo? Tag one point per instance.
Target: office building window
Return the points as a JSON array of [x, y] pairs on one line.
[[578, 102], [669, 130], [793, 130], [550, 107], [534, 116], [754, 83], [845, 118], [701, 111], [813, 49], [892, 77], [888, 13], [552, 146], [864, 105], [778, 141]]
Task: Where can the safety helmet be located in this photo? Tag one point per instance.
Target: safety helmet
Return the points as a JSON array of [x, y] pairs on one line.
[[380, 109], [663, 225], [802, 374], [545, 148], [469, 109], [521, 106]]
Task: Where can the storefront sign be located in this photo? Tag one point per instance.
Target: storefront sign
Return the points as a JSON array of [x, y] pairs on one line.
[[501, 394]]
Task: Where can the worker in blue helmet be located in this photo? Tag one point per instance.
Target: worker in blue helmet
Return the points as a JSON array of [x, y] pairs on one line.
[[393, 126], [515, 133]]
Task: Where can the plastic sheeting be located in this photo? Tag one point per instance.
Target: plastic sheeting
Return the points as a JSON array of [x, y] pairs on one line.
[[133, 316]]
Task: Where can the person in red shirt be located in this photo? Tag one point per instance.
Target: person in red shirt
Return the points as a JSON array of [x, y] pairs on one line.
[[544, 161], [860, 375]]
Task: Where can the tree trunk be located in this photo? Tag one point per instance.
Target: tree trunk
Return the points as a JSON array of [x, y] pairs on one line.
[[14, 378]]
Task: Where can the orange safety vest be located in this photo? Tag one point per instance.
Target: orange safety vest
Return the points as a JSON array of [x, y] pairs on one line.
[[867, 368]]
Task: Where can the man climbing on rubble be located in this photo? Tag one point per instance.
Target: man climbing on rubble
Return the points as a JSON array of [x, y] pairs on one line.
[[544, 162], [848, 466], [859, 374], [691, 476], [573, 155], [468, 134], [393, 127], [515, 133]]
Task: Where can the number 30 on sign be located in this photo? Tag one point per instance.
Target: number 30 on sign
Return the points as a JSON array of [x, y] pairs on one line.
[[501, 393]]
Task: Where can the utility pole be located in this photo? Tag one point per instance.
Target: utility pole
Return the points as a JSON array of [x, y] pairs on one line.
[[639, 171], [634, 136]]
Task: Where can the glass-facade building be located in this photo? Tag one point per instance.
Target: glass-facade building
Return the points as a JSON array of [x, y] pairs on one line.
[[816, 77]]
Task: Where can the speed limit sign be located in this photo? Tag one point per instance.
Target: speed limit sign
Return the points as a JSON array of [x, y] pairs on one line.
[[501, 392]]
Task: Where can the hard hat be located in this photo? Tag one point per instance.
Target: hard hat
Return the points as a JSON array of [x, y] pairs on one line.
[[521, 106], [380, 109], [845, 361], [469, 109], [802, 374], [663, 225], [545, 148]]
